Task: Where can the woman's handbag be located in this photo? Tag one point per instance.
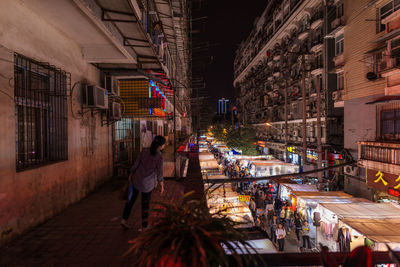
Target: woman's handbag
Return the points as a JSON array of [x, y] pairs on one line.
[[124, 194]]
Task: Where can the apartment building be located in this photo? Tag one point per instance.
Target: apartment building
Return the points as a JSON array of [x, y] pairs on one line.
[[287, 76], [60, 103], [371, 98]]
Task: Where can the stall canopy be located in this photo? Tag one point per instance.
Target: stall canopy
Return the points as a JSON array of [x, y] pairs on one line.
[[208, 164], [295, 188], [206, 155], [378, 230], [364, 210], [234, 152], [323, 194], [260, 246]]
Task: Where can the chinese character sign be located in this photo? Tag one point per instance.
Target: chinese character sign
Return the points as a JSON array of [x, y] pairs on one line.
[[385, 182], [244, 198]]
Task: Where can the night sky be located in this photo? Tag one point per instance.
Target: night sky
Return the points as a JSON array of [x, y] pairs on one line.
[[229, 22]]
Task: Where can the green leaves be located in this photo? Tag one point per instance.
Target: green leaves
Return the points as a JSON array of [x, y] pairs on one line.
[[243, 139], [188, 235]]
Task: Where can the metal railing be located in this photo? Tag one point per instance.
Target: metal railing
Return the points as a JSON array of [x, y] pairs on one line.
[[382, 154]]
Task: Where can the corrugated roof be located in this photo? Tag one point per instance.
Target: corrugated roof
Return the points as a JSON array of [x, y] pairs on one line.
[[378, 230], [364, 210], [301, 187]]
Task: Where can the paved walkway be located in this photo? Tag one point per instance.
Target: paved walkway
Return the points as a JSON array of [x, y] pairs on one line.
[[88, 233]]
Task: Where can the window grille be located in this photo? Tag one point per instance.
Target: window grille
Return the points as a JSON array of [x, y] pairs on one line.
[[388, 120], [386, 10], [40, 92]]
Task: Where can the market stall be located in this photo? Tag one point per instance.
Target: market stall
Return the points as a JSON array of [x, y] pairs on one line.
[[209, 164], [260, 246], [205, 155], [237, 211], [260, 168], [345, 226]]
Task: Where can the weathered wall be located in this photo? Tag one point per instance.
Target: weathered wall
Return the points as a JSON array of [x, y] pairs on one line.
[[359, 125], [30, 197], [359, 31]]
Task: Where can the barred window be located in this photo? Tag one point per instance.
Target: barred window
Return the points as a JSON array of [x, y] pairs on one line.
[[41, 113]]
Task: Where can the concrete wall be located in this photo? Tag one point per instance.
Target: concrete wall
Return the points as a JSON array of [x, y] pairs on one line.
[[359, 125], [359, 118], [30, 197], [359, 33]]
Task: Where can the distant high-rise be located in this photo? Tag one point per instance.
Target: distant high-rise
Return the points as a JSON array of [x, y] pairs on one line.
[[222, 106]]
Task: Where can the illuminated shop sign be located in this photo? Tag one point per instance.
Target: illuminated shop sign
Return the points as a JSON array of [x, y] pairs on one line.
[[244, 198], [157, 101], [385, 182]]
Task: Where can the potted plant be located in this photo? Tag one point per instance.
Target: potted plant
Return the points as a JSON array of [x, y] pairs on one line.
[[186, 234]]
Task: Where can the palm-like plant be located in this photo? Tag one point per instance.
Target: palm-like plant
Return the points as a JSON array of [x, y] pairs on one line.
[[186, 234]]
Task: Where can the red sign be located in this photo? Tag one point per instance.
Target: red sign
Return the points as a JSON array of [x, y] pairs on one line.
[[394, 192], [385, 182]]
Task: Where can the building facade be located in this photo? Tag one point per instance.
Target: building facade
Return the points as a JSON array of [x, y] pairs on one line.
[[285, 73], [371, 98], [60, 66]]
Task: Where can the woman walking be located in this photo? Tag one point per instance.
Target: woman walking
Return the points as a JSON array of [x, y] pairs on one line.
[[280, 235], [297, 224], [147, 170]]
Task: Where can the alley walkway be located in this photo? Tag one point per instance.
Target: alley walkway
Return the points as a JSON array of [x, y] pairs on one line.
[[88, 233]]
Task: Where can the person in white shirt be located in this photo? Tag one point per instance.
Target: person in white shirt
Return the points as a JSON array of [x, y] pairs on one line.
[[146, 137], [280, 236], [269, 211]]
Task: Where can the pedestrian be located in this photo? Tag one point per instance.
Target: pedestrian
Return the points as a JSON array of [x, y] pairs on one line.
[[288, 218], [280, 235], [253, 208], [144, 174], [297, 224], [273, 226], [306, 235], [278, 206], [269, 211]]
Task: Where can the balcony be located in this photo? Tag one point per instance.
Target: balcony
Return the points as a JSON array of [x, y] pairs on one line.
[[303, 35], [336, 23], [339, 60], [316, 47], [388, 66], [338, 98], [317, 20], [383, 156]]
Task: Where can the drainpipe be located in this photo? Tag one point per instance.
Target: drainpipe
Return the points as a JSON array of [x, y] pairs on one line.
[[303, 93]]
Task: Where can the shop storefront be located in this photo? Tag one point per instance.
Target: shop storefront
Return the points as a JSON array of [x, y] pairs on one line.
[[288, 192], [343, 227], [386, 184]]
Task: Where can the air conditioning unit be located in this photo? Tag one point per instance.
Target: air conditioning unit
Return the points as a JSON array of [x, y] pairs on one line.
[[312, 139], [337, 96], [94, 96], [295, 133], [112, 85], [351, 170], [115, 113]]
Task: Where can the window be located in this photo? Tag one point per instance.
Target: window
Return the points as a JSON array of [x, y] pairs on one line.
[[41, 113], [390, 122], [340, 81], [339, 10], [386, 10], [305, 23], [339, 45]]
